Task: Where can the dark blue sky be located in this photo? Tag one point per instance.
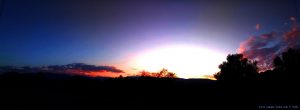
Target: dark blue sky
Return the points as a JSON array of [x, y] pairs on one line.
[[45, 32]]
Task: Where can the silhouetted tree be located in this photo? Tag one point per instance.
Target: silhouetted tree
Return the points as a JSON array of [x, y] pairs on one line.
[[237, 68], [286, 66], [145, 73], [171, 75], [164, 73]]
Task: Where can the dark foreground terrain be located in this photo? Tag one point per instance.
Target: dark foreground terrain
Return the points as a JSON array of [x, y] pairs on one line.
[[61, 92]]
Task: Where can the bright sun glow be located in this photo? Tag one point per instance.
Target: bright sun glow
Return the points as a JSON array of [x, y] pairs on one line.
[[185, 61]]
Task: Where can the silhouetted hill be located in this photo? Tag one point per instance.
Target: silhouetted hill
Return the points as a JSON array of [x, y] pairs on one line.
[[60, 92]]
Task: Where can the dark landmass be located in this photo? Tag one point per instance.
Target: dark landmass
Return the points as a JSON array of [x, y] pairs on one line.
[[47, 91], [239, 85]]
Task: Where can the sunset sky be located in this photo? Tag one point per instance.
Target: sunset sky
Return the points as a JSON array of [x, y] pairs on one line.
[[136, 35]]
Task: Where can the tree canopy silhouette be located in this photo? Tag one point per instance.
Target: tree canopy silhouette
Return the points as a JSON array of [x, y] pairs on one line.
[[164, 73], [237, 68], [286, 66]]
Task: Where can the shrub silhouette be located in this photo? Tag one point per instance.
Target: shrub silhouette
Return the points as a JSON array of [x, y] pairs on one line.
[[164, 73], [237, 68], [286, 66]]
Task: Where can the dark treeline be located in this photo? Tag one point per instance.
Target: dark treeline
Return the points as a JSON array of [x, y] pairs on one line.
[[239, 85], [285, 67]]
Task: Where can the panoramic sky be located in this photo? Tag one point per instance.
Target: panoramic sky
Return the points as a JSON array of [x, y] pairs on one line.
[[188, 37]]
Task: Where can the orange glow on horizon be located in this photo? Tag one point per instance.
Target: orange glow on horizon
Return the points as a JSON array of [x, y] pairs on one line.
[[102, 73]]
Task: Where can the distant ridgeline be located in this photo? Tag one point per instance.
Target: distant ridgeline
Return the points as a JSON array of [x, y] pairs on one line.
[[236, 68]]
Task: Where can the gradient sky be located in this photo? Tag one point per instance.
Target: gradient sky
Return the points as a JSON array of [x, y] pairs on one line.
[[47, 32]]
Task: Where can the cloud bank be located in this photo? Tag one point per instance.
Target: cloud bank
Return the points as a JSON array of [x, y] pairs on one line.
[[264, 48], [74, 68]]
